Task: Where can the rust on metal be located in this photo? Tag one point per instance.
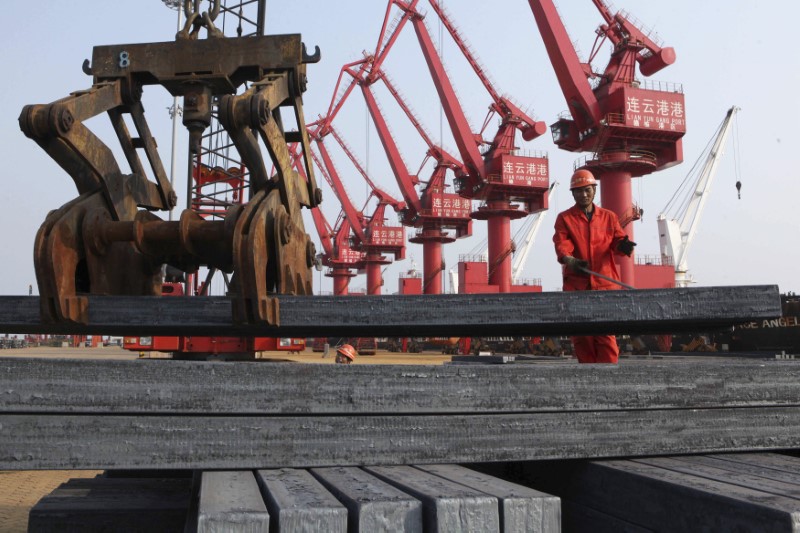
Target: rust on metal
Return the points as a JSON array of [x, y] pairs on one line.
[[108, 241]]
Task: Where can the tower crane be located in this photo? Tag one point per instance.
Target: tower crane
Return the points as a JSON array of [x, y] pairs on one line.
[[499, 176], [632, 130], [676, 233]]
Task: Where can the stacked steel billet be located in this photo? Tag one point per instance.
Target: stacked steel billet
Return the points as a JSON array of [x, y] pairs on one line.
[[68, 414], [102, 243], [336, 499], [551, 313], [723, 492]]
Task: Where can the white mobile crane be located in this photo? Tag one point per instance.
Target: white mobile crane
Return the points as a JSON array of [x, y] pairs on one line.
[[534, 222], [676, 232]]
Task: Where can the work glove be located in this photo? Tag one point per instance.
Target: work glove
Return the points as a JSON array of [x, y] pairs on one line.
[[574, 264], [625, 246]]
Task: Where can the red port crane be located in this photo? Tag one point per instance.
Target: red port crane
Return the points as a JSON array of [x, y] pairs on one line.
[[632, 128], [337, 252], [435, 210], [500, 175], [371, 234]]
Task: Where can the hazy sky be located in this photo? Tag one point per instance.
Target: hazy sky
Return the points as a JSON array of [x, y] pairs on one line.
[[728, 53]]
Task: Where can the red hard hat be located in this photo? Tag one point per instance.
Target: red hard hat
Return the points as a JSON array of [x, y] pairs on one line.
[[582, 178], [347, 351]]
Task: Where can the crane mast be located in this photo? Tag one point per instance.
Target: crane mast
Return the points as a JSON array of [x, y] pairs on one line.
[[677, 234], [630, 128], [338, 254]]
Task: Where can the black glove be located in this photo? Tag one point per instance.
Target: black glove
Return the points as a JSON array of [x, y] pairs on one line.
[[574, 264], [625, 246]]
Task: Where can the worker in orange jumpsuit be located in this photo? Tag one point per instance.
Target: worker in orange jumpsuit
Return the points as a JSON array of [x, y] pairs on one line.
[[587, 237]]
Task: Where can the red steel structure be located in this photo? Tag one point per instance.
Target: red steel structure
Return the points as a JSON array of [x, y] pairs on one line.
[[435, 211], [509, 184], [337, 253], [631, 129], [371, 234]]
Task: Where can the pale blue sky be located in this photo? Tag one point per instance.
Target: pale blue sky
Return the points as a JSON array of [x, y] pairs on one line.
[[728, 53]]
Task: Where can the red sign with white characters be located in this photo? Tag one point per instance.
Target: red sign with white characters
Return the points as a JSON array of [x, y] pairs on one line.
[[350, 256], [654, 110], [525, 171], [387, 236], [450, 206]]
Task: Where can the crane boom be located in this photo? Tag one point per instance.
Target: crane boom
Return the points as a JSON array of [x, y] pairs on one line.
[[571, 72], [436, 151], [676, 234], [331, 175], [530, 127], [382, 196]]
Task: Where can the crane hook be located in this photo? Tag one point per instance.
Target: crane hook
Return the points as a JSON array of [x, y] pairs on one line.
[[739, 189]]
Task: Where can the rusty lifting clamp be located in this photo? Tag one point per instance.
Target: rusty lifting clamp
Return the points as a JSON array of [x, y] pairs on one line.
[[102, 243]]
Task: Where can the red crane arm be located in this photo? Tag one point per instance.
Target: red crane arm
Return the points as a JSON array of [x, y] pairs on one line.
[[328, 170], [382, 196], [529, 127], [338, 100], [405, 180], [604, 11], [324, 229], [462, 45], [618, 28], [571, 73], [436, 151], [385, 42], [465, 139]]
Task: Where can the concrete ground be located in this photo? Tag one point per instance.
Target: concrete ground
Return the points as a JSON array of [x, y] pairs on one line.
[[20, 490]]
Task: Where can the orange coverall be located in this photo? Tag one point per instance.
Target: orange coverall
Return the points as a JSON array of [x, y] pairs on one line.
[[594, 241]]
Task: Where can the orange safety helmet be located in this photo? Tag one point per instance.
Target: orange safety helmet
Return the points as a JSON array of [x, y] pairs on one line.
[[581, 178], [348, 351]]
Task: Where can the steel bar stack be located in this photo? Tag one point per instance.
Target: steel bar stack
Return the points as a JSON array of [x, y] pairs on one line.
[[285, 446], [149, 414], [547, 313]]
